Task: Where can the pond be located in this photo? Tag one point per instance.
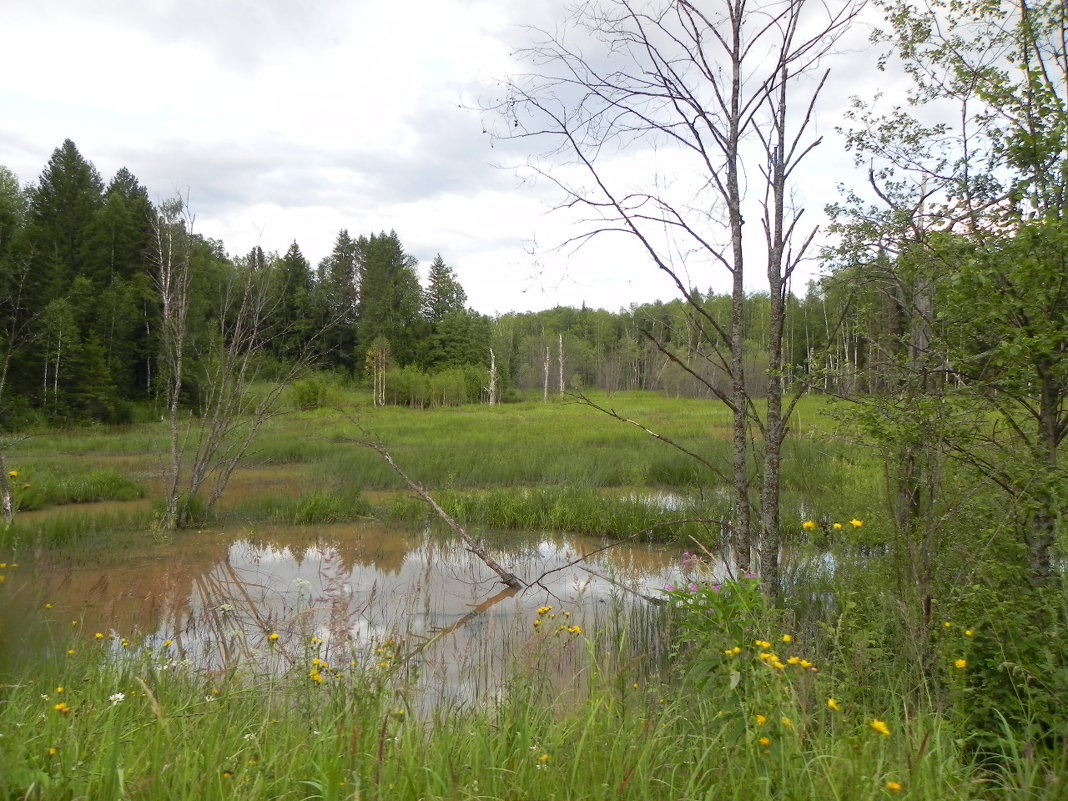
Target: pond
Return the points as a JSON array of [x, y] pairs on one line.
[[275, 598]]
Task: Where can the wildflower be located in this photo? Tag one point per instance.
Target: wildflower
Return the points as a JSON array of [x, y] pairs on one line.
[[765, 741], [947, 625], [228, 774], [837, 526], [787, 723], [59, 690], [805, 664], [53, 751], [761, 720], [809, 525], [62, 708], [544, 610], [856, 523], [71, 652], [273, 636], [12, 473], [833, 704], [960, 664], [968, 632], [74, 623], [762, 643], [794, 660], [168, 643], [117, 698], [880, 727], [48, 606], [575, 630], [893, 787], [544, 759], [316, 676], [787, 638], [99, 635], [537, 622], [315, 641], [400, 713]]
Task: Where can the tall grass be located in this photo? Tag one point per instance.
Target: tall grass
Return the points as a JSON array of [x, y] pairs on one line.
[[108, 720]]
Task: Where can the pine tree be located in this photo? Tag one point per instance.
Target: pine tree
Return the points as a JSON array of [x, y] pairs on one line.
[[444, 293], [390, 297], [63, 208]]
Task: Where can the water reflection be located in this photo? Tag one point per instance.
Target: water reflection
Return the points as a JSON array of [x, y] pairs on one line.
[[369, 594]]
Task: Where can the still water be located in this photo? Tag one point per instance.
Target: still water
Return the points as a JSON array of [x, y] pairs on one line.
[[355, 593]]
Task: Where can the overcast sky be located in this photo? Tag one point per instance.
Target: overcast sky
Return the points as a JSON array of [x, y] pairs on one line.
[[288, 121]]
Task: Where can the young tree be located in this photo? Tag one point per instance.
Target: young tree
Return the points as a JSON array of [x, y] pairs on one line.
[[967, 233], [712, 95]]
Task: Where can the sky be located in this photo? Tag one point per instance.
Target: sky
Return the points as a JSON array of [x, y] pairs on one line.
[[286, 121]]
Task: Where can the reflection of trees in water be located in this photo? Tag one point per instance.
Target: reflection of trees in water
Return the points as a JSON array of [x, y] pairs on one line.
[[219, 599]]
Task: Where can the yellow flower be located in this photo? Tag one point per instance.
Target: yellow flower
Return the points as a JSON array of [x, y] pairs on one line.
[[761, 720], [947, 625], [762, 643], [71, 652], [59, 690], [809, 525], [62, 708], [53, 751], [544, 759], [794, 660], [544, 610], [13, 473], [833, 704], [99, 636], [837, 526], [893, 787], [960, 664], [968, 632], [880, 727], [48, 606], [575, 630], [765, 741], [856, 523], [787, 723], [168, 643], [787, 638], [273, 637], [537, 622]]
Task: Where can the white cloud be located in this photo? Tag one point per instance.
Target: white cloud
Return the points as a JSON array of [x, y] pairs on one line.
[[289, 121]]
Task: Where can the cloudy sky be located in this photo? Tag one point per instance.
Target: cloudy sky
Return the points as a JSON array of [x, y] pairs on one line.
[[287, 121]]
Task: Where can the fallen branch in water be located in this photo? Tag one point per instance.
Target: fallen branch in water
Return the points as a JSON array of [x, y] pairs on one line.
[[510, 579]]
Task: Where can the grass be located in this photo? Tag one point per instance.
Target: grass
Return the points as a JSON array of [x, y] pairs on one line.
[[107, 721], [678, 702]]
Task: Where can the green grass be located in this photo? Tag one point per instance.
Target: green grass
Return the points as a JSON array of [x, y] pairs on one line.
[[176, 734], [656, 713]]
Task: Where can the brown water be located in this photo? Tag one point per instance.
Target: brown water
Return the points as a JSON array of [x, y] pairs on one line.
[[362, 593]]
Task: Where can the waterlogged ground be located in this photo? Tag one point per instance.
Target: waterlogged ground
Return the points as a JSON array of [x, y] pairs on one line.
[[276, 598]]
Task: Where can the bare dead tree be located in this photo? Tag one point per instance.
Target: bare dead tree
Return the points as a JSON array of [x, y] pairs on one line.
[[710, 94], [205, 452], [173, 277]]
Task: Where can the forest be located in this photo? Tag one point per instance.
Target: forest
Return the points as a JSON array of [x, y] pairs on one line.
[[79, 261]]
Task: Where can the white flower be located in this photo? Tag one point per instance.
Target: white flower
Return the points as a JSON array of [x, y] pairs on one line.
[[117, 698]]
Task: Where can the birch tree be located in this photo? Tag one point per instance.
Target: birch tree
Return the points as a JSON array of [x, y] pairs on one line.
[[718, 99]]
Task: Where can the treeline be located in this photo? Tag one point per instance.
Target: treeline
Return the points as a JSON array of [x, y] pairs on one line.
[[81, 296], [80, 310]]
